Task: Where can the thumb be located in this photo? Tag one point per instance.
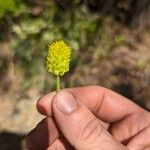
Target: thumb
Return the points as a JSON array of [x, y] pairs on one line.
[[79, 126]]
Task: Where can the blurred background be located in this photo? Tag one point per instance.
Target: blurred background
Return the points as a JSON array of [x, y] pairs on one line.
[[110, 42]]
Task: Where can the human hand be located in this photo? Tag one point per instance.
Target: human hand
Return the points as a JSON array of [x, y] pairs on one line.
[[90, 118]]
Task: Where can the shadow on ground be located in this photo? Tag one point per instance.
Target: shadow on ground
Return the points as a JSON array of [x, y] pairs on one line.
[[9, 140]]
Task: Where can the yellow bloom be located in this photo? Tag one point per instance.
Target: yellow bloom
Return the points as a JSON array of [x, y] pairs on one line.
[[58, 58]]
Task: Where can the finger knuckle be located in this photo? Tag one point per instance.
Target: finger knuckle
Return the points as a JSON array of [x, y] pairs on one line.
[[91, 131]]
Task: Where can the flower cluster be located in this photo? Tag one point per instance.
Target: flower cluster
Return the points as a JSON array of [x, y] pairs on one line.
[[58, 58]]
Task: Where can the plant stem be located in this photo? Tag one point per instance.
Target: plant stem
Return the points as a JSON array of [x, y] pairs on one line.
[[57, 84]]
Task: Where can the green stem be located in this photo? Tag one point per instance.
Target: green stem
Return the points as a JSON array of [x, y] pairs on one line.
[[57, 84]]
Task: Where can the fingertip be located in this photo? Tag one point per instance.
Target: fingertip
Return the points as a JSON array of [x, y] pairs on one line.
[[44, 104]]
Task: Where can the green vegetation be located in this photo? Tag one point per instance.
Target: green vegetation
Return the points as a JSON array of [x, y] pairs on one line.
[[11, 7], [7, 6], [31, 31]]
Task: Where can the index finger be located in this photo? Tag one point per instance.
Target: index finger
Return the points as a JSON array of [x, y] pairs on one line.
[[104, 103]]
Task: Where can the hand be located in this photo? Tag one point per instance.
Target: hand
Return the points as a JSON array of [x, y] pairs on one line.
[[90, 118]]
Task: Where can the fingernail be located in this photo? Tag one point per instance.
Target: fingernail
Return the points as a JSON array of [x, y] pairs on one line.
[[65, 102]]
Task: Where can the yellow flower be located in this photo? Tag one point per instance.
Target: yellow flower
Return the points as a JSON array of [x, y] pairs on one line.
[[58, 58]]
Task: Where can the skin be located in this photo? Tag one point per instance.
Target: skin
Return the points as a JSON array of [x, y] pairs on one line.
[[103, 119]]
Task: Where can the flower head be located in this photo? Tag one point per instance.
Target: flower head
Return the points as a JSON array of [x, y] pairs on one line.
[[58, 58]]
